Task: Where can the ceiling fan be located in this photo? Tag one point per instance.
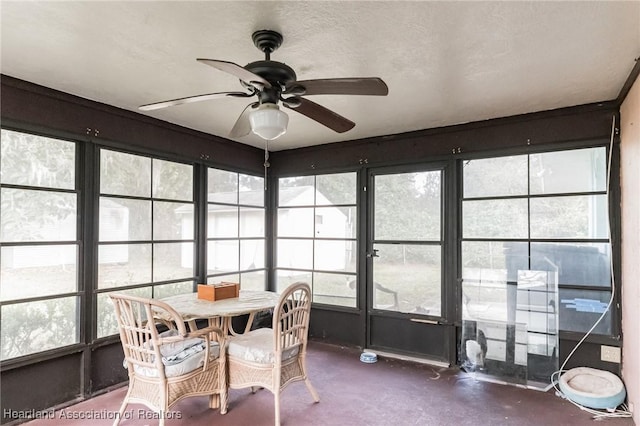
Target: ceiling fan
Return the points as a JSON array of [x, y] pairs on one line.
[[275, 83]]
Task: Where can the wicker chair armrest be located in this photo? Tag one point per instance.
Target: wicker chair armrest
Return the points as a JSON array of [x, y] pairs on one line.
[[206, 333]]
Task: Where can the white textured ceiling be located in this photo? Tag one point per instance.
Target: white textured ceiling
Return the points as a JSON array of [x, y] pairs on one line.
[[444, 62]]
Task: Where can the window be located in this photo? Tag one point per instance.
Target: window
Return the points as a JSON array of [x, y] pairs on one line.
[[39, 297], [408, 242], [236, 229], [543, 212], [316, 236], [146, 230]]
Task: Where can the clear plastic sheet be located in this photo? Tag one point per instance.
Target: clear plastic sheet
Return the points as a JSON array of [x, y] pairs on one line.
[[510, 329]]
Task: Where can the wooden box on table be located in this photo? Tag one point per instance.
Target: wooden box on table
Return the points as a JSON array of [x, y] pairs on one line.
[[220, 291]]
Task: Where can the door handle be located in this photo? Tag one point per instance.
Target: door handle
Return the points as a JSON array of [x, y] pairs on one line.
[[373, 253], [424, 321]]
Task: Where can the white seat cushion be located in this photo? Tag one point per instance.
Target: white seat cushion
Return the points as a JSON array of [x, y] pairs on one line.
[[258, 346], [174, 348], [181, 357]]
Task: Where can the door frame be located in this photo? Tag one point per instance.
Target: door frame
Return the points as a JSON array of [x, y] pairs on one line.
[[408, 328]]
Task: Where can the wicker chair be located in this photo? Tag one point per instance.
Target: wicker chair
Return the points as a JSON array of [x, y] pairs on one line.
[[169, 366], [274, 357]]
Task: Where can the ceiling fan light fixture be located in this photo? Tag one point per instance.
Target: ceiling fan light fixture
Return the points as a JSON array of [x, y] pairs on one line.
[[268, 122]]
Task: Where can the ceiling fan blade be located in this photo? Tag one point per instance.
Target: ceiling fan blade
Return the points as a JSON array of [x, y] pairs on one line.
[[372, 86], [243, 126], [235, 69], [189, 99], [322, 115]]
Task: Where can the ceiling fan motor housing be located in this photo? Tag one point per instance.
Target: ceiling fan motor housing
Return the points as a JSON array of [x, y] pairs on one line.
[[276, 73]]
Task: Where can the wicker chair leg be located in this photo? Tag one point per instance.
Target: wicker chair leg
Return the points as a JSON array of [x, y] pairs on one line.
[[223, 402], [276, 397], [312, 390], [116, 422], [214, 400]]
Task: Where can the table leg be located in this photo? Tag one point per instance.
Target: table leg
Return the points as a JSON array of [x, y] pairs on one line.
[[192, 325], [249, 322], [218, 322], [247, 327]]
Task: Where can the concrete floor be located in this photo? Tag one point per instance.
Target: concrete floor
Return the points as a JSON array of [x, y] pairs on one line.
[[390, 393]]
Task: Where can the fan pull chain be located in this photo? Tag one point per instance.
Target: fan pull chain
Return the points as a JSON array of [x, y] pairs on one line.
[[266, 162]]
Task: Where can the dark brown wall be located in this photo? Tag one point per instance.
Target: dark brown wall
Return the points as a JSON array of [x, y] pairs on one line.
[[587, 122], [39, 108], [41, 385]]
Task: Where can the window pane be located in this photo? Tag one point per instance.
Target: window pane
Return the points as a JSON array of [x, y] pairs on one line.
[[335, 222], [33, 271], [251, 222], [123, 219], [334, 219], [172, 221], [251, 191], [484, 296], [479, 258], [253, 281], [106, 317], [124, 174], [28, 215], [123, 264], [222, 186], [251, 254], [569, 217], [296, 191], [495, 218], [580, 170], [580, 309], [172, 180], [417, 289], [296, 222], [185, 217], [166, 290], [36, 161], [295, 254], [231, 222], [575, 263], [38, 326], [334, 289], [488, 267], [336, 189], [172, 261], [495, 177], [231, 278], [285, 278], [223, 256], [222, 221], [334, 256], [407, 206], [537, 322]]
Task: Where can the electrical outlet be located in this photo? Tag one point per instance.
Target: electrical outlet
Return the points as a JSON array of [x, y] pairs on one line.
[[610, 354]]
